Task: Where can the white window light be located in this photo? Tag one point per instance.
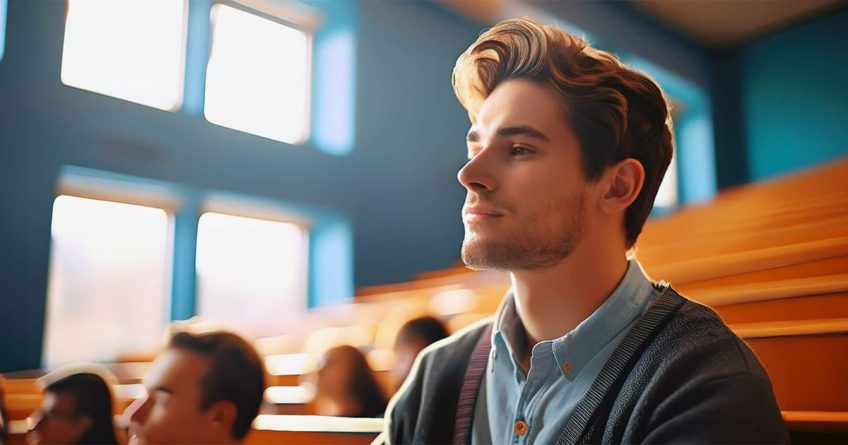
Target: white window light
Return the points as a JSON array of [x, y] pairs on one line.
[[131, 50], [3, 7], [258, 77], [109, 282], [251, 273], [667, 195]]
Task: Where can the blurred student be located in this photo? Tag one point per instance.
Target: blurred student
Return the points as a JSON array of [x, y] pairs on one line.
[[4, 419], [77, 408], [413, 336], [203, 389], [346, 385]]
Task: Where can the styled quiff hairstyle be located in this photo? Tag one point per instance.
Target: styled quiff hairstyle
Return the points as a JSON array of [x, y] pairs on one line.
[[616, 112]]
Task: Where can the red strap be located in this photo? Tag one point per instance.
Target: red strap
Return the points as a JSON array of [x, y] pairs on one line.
[[470, 388]]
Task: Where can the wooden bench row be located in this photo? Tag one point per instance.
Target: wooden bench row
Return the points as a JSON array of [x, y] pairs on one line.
[[281, 429]]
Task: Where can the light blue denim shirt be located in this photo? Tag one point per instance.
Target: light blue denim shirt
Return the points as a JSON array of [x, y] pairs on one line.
[[561, 370]]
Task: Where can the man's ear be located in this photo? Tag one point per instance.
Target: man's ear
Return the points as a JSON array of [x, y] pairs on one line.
[[623, 182], [222, 416]]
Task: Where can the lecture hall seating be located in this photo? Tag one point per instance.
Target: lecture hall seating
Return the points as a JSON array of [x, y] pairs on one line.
[[771, 258]]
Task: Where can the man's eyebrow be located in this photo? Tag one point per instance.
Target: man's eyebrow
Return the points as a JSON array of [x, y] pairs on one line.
[[514, 130], [524, 130]]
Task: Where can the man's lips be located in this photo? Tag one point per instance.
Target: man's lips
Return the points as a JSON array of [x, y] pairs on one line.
[[476, 214]]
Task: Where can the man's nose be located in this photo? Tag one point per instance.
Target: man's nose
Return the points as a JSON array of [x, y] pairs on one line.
[[137, 410], [477, 174], [36, 421]]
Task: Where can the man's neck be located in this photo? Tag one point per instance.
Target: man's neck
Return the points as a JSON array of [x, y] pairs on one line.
[[551, 302]]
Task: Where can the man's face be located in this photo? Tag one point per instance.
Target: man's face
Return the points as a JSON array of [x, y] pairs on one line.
[[57, 421], [171, 414], [527, 192]]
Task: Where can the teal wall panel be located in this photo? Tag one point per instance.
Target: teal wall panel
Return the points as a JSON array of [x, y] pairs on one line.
[[796, 98]]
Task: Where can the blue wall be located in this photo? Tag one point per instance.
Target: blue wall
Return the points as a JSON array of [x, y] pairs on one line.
[[796, 98], [396, 185], [390, 173]]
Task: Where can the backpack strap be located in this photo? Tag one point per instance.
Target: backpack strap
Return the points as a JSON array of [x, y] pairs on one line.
[[471, 387], [619, 365]]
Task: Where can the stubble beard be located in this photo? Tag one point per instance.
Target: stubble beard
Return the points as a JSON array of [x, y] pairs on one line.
[[531, 247]]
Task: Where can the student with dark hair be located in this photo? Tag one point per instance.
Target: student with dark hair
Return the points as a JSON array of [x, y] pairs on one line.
[[413, 336], [76, 409], [203, 389], [566, 151], [346, 385]]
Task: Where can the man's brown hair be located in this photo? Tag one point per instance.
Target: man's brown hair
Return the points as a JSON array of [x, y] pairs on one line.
[[616, 112], [236, 374]]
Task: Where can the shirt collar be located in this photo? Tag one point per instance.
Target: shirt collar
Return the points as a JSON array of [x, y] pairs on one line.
[[508, 330], [576, 348]]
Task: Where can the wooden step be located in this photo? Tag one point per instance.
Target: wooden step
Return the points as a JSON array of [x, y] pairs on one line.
[[805, 359], [816, 420], [787, 309], [697, 268], [772, 288], [271, 429]]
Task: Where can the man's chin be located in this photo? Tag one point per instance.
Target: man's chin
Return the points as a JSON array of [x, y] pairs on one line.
[[476, 266], [477, 257], [33, 438], [135, 439]]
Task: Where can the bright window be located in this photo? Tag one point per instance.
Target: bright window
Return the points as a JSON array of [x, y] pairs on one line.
[[667, 195], [251, 273], [3, 6], [109, 284], [257, 80], [132, 50]]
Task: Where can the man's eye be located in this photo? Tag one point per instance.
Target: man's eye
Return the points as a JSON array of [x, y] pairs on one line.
[[162, 399], [519, 151]]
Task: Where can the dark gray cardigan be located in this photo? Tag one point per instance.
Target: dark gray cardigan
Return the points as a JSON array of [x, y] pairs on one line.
[[679, 376]]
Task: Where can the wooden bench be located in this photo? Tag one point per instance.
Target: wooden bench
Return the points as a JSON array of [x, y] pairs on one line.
[[772, 259], [283, 429], [313, 430]]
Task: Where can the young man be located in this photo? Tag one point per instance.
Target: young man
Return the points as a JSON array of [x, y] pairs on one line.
[[566, 151], [203, 389]]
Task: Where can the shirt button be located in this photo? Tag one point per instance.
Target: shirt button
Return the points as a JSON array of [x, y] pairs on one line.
[[566, 366], [520, 427]]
